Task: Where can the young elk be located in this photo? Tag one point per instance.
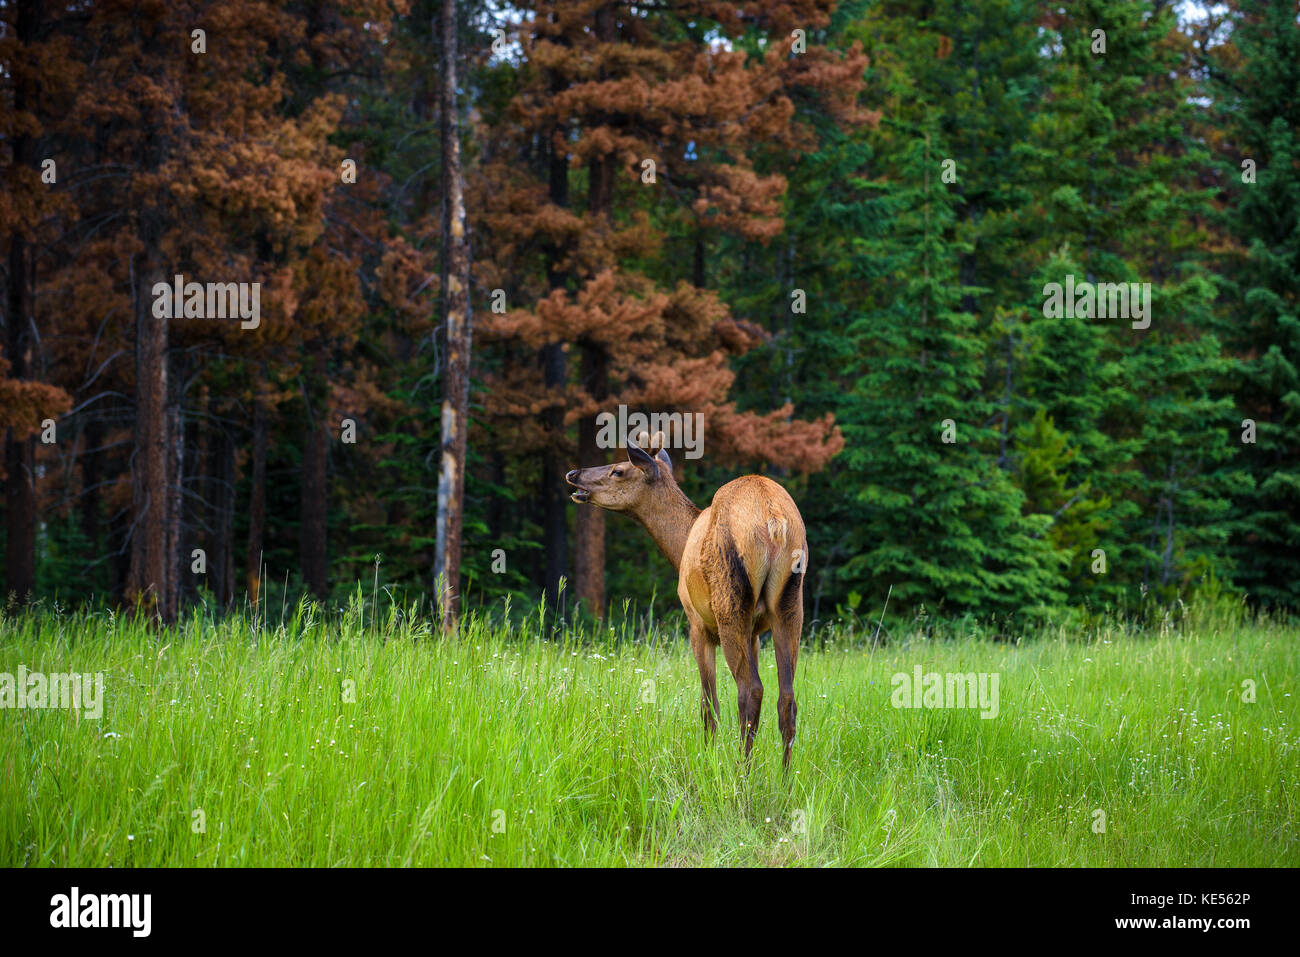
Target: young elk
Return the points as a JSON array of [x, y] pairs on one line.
[[740, 566]]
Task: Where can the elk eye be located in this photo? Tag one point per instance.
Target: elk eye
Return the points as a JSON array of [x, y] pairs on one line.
[[618, 473]]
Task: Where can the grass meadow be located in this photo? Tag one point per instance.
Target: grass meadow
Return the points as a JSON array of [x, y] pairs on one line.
[[337, 740]]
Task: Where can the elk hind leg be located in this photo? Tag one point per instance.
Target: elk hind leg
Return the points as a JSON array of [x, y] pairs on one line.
[[706, 657], [737, 641], [787, 627]]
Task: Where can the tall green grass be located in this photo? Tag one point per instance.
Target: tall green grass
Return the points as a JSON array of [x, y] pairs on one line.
[[227, 743]]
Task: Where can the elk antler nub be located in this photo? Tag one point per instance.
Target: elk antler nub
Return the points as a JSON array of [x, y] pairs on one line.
[[649, 445]]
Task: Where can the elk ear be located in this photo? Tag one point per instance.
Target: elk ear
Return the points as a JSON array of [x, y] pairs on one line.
[[663, 459], [638, 457]]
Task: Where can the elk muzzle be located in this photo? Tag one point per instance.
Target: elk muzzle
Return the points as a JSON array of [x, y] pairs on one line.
[[582, 494]]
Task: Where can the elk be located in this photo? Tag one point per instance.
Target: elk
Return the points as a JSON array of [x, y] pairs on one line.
[[740, 567]]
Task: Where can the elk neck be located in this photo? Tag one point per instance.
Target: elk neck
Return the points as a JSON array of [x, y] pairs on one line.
[[668, 517]]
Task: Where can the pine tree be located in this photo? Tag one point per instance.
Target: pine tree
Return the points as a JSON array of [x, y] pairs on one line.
[[1125, 195], [1257, 84], [919, 430]]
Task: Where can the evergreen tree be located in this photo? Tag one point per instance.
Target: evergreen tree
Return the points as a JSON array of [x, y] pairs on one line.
[[919, 431], [1257, 82]]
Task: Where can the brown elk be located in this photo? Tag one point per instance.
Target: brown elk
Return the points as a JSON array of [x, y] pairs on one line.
[[740, 567]]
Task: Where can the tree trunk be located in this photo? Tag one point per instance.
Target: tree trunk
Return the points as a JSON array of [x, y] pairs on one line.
[[555, 491], [20, 453], [221, 502], [312, 532], [152, 576], [150, 553], [149, 577], [177, 554], [210, 463], [589, 538], [257, 497], [455, 388], [91, 462], [312, 527], [20, 472]]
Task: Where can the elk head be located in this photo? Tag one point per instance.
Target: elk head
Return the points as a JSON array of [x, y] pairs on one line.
[[624, 486]]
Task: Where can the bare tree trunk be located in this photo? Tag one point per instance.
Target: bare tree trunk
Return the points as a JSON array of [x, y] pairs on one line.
[[20, 472], [312, 529], [257, 497], [178, 561], [152, 577], [209, 465], [19, 454], [312, 532], [220, 496], [151, 552], [91, 462], [195, 507], [455, 390], [589, 537], [226, 529], [555, 495], [149, 577]]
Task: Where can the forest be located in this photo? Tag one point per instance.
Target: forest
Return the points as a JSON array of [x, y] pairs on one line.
[[1005, 293]]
